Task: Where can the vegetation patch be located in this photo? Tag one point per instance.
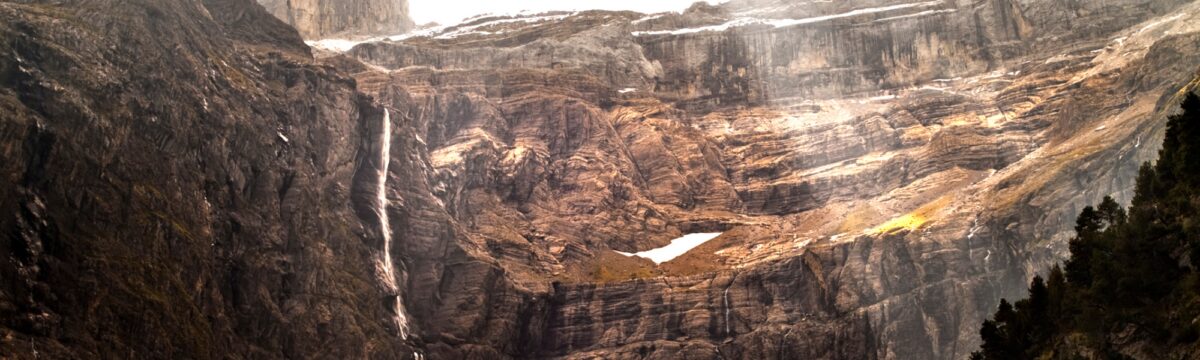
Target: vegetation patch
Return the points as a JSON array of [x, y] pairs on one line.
[[913, 220], [1132, 281]]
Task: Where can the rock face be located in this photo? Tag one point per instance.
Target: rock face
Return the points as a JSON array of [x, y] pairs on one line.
[[883, 170], [187, 182], [179, 181], [319, 19]]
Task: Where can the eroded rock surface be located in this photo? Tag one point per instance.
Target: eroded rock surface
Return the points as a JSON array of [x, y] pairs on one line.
[[179, 181], [883, 170], [319, 19], [187, 183]]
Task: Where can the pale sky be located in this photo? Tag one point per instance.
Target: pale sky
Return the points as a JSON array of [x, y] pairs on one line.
[[448, 12]]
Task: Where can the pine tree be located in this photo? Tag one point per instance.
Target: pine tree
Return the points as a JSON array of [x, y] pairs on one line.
[[1125, 268], [1079, 267]]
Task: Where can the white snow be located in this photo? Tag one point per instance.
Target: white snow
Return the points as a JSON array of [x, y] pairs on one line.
[[425, 32], [627, 90], [722, 27], [647, 18], [473, 29], [779, 23], [677, 247], [336, 45], [454, 11], [437, 32], [794, 22], [1157, 23], [882, 97], [920, 14]]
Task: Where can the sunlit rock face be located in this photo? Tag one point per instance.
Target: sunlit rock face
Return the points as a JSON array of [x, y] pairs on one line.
[[882, 171], [319, 19]]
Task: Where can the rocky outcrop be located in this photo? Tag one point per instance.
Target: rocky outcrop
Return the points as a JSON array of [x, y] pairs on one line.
[[835, 49], [177, 183], [882, 176], [319, 19], [189, 183]]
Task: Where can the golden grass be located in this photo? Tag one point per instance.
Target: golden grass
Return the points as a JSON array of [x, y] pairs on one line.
[[860, 218], [915, 219], [612, 267]]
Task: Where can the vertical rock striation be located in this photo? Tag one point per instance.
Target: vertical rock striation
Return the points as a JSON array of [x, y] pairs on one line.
[[883, 170], [179, 181], [186, 183], [319, 19]]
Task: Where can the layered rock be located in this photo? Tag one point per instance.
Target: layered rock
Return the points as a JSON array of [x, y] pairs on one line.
[[319, 19], [882, 175], [883, 171], [177, 183]]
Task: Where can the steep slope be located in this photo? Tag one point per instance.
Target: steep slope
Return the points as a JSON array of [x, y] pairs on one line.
[[181, 181], [187, 183], [879, 169], [319, 19], [1129, 289]]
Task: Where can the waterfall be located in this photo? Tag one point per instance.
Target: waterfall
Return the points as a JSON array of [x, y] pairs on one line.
[[384, 265], [727, 311]]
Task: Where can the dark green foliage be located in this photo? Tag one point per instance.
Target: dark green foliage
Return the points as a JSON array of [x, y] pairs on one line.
[[1129, 269]]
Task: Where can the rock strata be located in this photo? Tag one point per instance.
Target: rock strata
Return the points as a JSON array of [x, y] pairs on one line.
[[177, 183], [189, 182], [881, 176], [320, 19]]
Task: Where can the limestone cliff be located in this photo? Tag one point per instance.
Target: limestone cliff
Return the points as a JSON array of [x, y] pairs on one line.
[[186, 181], [319, 19], [881, 169], [179, 181]]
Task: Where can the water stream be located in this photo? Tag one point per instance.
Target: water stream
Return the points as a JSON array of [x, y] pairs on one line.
[[384, 264]]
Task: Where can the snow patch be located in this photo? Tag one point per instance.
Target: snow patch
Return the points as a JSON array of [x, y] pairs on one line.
[[1157, 23], [426, 32], [780, 23], [920, 14], [677, 247], [474, 29], [627, 90], [648, 18], [335, 45], [437, 32]]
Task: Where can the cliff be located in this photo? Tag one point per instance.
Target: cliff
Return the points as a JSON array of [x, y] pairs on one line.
[[1128, 290], [319, 19], [189, 182], [883, 171], [177, 183]]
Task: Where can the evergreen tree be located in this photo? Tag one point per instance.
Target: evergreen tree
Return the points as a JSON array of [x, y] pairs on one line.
[[1126, 268], [1087, 226]]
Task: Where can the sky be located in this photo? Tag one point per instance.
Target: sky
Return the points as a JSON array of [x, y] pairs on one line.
[[448, 12]]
